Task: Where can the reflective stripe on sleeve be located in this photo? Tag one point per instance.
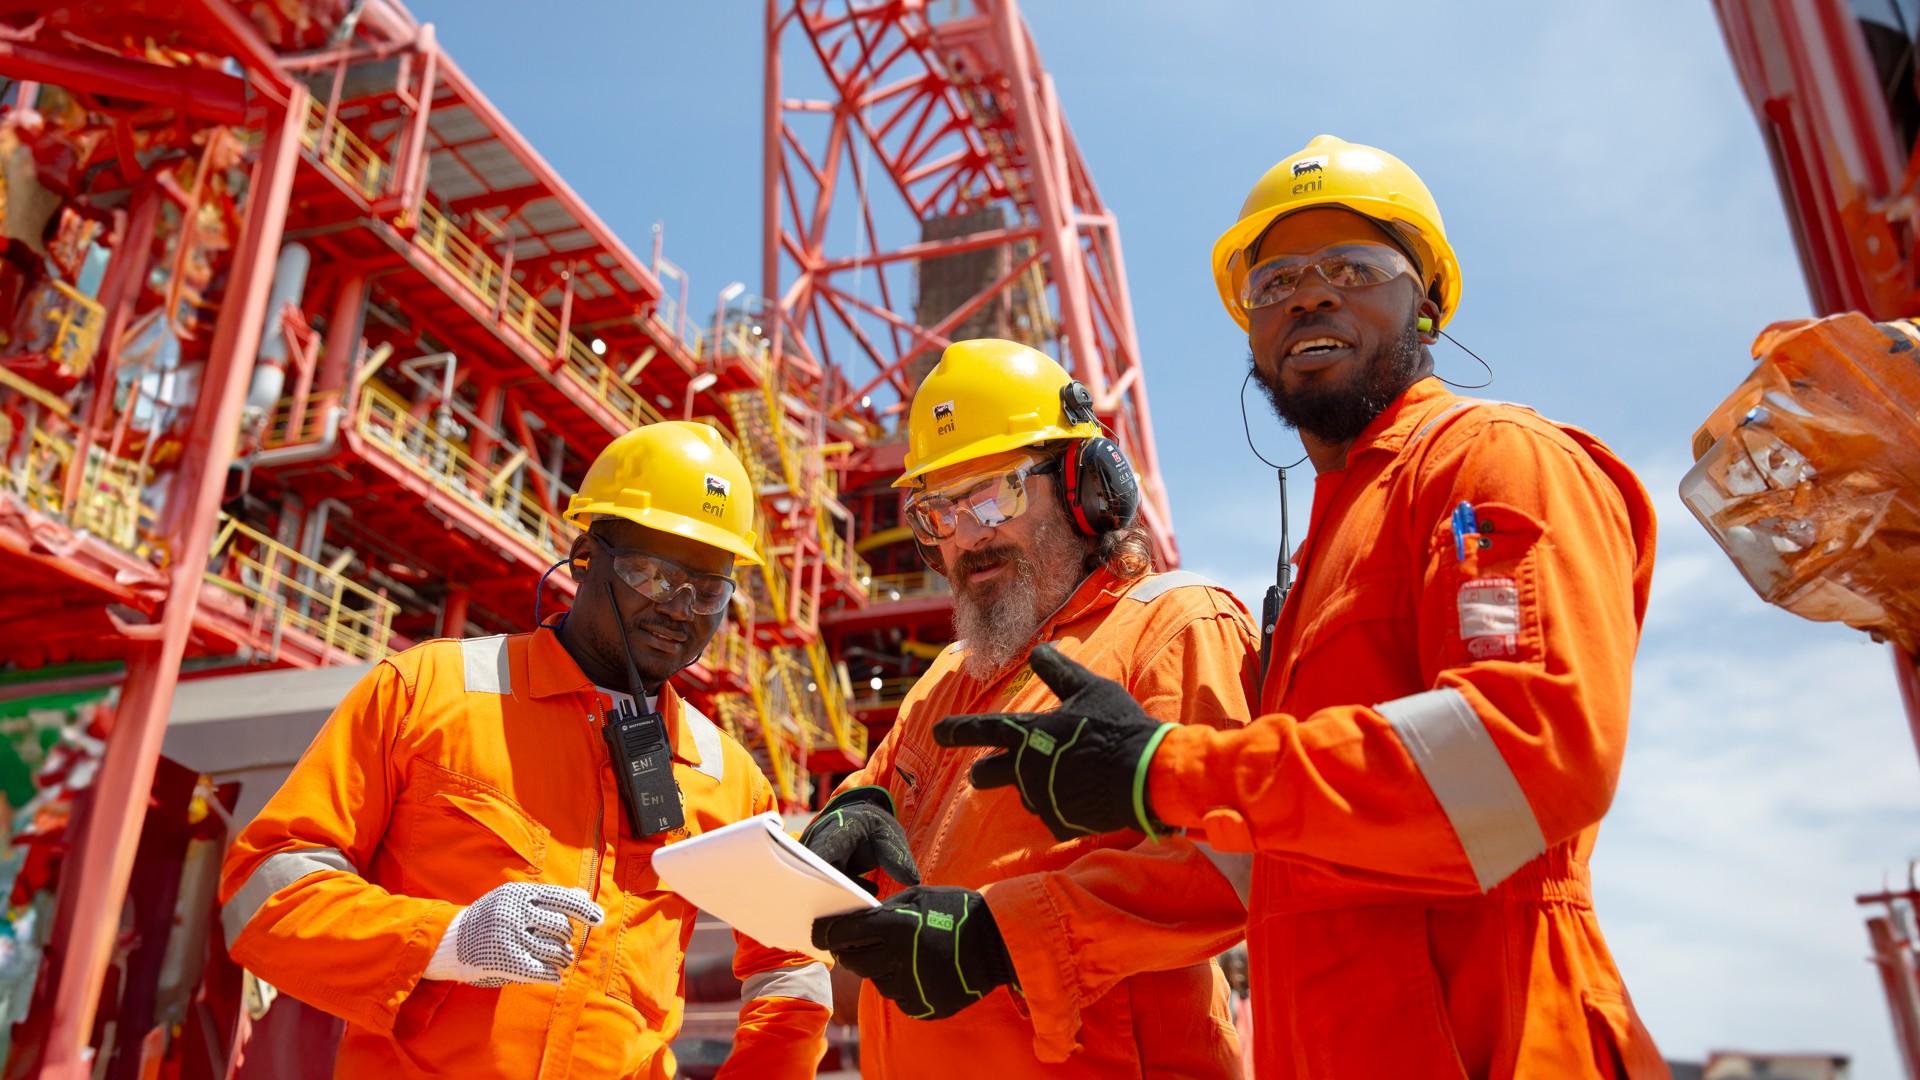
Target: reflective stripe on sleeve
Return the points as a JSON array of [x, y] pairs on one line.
[[808, 982], [1476, 788], [276, 872], [1235, 866]]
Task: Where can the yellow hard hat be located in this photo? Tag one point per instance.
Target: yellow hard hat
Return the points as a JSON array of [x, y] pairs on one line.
[[1369, 182], [677, 477], [987, 396]]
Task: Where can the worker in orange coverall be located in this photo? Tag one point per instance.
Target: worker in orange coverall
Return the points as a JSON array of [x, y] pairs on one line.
[[456, 867], [1013, 954], [1446, 702]]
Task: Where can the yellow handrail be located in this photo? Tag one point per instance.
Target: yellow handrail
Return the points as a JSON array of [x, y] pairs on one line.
[[461, 256], [889, 696], [343, 152], [745, 718], [288, 591], [433, 457], [913, 586], [848, 734], [73, 321], [110, 504], [438, 238]]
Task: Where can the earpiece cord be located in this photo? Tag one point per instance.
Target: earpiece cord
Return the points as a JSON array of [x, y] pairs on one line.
[[1476, 356], [1283, 570], [540, 590]]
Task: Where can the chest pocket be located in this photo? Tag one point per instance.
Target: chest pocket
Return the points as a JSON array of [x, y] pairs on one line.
[[465, 832], [1488, 600], [912, 771], [652, 929]]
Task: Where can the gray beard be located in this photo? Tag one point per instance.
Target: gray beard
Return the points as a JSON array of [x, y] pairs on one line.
[[998, 631]]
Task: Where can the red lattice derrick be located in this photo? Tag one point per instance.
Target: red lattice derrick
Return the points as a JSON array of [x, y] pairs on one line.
[[904, 125]]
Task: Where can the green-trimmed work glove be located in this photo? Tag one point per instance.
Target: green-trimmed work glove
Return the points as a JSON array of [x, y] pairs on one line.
[[857, 834], [932, 949], [1082, 768]]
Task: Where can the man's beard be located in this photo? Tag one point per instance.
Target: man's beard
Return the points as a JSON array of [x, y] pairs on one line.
[[1037, 581], [1338, 413]]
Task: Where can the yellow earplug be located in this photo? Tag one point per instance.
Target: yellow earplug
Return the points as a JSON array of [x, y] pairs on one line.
[[1423, 323]]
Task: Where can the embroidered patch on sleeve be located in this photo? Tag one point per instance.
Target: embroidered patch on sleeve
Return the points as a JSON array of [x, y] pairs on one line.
[[1490, 617]]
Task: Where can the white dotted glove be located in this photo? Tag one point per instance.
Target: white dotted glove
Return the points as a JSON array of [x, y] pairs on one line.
[[521, 932]]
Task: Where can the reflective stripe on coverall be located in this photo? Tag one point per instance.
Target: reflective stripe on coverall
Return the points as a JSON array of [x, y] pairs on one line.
[[1111, 936], [454, 767], [1445, 730]]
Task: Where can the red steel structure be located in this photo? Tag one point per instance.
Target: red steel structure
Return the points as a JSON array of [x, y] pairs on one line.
[[303, 348], [922, 185], [1836, 90]]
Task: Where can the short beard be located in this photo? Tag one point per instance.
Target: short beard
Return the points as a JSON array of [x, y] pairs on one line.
[[1338, 414], [998, 631]]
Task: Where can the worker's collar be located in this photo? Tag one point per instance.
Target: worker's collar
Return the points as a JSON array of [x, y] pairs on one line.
[[1402, 419], [552, 671], [1099, 591]]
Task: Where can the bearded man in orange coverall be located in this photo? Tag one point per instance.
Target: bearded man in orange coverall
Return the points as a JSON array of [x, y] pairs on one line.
[[1446, 703], [449, 868], [1023, 956]]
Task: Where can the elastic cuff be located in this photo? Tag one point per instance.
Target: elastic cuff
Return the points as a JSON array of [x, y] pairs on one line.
[[1176, 783], [872, 793], [1141, 813]]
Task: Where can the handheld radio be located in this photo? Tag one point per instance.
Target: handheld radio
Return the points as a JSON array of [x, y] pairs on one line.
[[642, 756]]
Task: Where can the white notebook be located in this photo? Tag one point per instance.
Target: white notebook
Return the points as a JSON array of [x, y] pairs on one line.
[[761, 881]]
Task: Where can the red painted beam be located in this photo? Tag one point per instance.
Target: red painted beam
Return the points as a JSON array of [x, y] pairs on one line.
[[204, 95], [95, 883]]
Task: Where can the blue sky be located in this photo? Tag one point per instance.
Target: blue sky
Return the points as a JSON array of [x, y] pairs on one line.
[[1622, 243]]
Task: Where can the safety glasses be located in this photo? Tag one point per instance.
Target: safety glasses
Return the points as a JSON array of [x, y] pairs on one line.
[[991, 499], [1344, 266], [660, 580]]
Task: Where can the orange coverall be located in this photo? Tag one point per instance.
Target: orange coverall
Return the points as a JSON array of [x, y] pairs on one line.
[[450, 769], [1111, 936], [1444, 732]]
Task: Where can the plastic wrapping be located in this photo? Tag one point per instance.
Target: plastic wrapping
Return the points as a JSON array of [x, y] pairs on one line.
[[1808, 475]]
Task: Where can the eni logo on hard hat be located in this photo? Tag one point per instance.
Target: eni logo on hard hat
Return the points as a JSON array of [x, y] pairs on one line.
[[1314, 167], [943, 416], [716, 486]]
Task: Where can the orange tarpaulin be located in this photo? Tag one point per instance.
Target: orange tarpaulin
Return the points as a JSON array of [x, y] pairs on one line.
[[1808, 474]]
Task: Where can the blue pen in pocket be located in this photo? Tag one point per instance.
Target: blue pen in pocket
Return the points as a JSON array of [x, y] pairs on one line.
[[1463, 524]]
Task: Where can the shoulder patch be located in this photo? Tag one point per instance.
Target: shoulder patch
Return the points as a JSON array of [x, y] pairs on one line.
[[706, 739], [487, 668], [1158, 584]]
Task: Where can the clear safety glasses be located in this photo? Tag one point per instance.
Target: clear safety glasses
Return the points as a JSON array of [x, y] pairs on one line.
[[1344, 266], [660, 580], [990, 499]]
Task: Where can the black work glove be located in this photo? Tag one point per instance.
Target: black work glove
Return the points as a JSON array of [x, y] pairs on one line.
[[932, 949], [1082, 768], [857, 834]]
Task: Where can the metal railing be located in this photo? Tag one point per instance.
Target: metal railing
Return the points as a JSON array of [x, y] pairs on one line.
[[732, 652], [890, 694], [745, 718], [436, 237], [69, 322], [340, 150], [462, 257], [889, 588], [110, 505], [386, 423], [848, 734], [285, 590]]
